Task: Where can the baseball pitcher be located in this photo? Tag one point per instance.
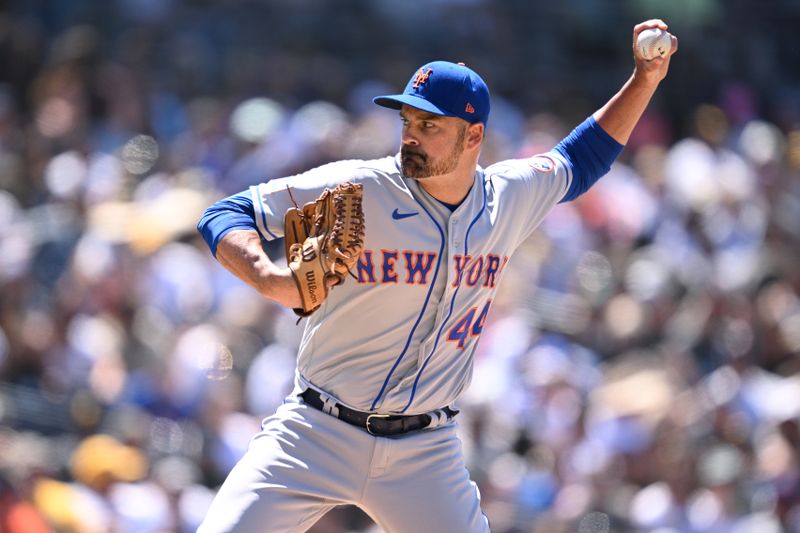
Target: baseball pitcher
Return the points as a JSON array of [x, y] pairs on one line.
[[394, 263]]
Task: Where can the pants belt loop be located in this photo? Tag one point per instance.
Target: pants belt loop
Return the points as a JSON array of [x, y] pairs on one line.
[[438, 417], [329, 405]]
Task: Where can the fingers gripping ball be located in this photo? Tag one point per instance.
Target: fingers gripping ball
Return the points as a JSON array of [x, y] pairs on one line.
[[323, 242], [653, 42]]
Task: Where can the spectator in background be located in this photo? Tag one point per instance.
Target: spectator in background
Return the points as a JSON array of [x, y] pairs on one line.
[[17, 515]]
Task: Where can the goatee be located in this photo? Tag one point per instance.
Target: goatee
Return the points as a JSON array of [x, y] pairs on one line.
[[414, 163], [417, 165]]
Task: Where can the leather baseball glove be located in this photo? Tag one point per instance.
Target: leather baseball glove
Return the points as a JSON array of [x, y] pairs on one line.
[[323, 242]]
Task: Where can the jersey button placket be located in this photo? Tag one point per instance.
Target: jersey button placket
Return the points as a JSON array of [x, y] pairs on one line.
[[456, 242]]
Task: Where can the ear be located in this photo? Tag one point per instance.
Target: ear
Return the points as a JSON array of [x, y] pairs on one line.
[[474, 135]]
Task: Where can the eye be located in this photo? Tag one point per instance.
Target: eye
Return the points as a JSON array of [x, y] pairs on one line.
[[428, 125]]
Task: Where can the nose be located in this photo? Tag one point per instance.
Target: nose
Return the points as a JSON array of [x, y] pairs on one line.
[[408, 138]]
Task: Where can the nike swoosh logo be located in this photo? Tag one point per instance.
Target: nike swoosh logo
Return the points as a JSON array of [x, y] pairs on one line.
[[397, 215]]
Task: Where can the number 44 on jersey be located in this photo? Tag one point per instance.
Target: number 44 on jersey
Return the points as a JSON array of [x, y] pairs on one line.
[[468, 325]]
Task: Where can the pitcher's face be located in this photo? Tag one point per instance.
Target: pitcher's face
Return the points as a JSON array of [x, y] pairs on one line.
[[431, 145]]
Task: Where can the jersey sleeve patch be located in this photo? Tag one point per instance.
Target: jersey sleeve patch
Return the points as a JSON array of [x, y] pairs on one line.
[[542, 163]]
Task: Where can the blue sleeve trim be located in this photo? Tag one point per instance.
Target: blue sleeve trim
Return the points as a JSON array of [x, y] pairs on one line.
[[590, 151], [233, 212]]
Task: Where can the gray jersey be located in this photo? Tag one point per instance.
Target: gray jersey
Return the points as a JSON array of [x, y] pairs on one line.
[[400, 338]]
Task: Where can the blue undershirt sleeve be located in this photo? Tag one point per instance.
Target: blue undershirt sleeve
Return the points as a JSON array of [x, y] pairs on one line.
[[233, 212], [590, 152]]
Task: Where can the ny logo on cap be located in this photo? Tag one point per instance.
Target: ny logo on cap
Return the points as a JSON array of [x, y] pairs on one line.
[[421, 77]]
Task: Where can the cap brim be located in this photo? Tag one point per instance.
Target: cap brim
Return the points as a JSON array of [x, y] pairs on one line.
[[396, 101]]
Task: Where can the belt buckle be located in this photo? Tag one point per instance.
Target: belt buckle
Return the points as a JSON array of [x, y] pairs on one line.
[[370, 417]]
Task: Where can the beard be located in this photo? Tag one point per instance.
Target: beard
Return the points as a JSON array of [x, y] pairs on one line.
[[416, 164]]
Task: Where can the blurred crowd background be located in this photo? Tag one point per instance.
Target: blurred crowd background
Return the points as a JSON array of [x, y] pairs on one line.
[[639, 371]]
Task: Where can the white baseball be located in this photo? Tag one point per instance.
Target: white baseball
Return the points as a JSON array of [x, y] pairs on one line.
[[654, 42]]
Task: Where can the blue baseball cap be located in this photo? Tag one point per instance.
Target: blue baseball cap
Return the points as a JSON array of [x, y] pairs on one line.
[[444, 88]]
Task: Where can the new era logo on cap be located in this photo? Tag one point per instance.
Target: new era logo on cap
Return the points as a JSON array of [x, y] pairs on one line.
[[444, 88]]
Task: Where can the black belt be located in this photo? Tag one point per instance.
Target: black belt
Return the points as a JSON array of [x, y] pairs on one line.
[[373, 423]]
